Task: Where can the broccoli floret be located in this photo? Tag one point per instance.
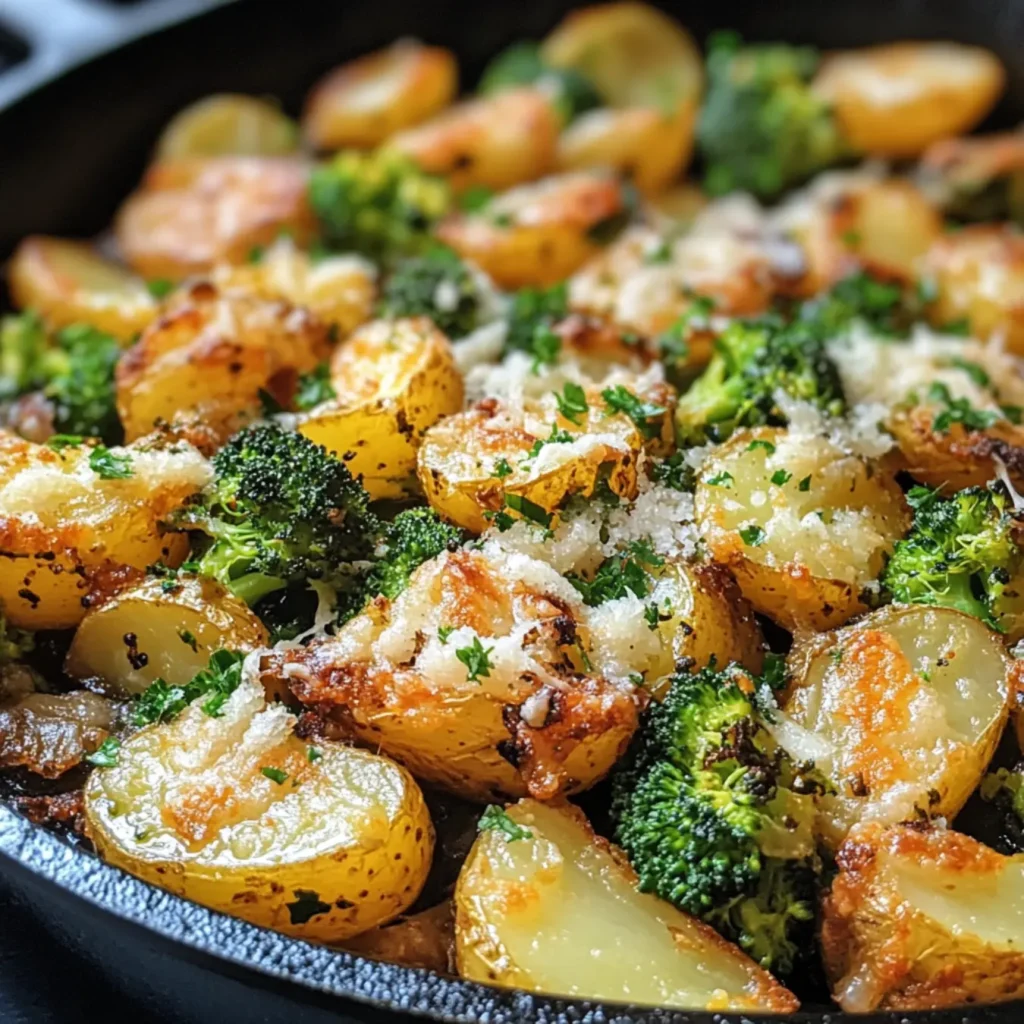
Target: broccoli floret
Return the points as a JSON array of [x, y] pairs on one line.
[[762, 127], [378, 204], [439, 285], [753, 361], [280, 510], [962, 553], [521, 64], [1004, 789], [701, 791], [24, 354]]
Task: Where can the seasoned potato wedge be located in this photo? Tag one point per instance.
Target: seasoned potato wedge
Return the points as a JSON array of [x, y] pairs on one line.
[[979, 276], [906, 707], [228, 124], [496, 141], [394, 379], [463, 461], [211, 354], [802, 552], [70, 283], [193, 213], [339, 290], [161, 629], [923, 918], [537, 234], [495, 708], [558, 911], [234, 813], [62, 521], [897, 99], [365, 101]]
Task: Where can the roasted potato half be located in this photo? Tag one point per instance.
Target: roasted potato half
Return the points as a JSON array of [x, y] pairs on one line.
[[70, 283], [897, 99], [394, 379], [239, 814], [195, 212], [468, 679], [228, 124], [211, 354], [366, 100], [904, 708], [160, 629], [803, 525], [537, 234], [923, 918], [548, 906], [65, 515]]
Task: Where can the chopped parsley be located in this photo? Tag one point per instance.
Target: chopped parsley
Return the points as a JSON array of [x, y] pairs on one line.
[[106, 754], [673, 472], [805, 484], [752, 536], [315, 388], [58, 442], [781, 476], [767, 446], [187, 637], [494, 819], [722, 479], [529, 510], [572, 402], [836, 655], [958, 410], [618, 576], [160, 287], [443, 632], [973, 370], [477, 660], [275, 775], [652, 616], [314, 754], [162, 702], [544, 348], [502, 469], [108, 465], [621, 399]]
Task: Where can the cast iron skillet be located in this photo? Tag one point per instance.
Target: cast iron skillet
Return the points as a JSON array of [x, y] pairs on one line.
[[71, 151]]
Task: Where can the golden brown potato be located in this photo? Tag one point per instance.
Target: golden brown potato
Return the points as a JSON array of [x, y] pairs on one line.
[[678, 205], [537, 234], [70, 283], [366, 100], [228, 124], [979, 276], [897, 99], [923, 918], [468, 679], [902, 710], [239, 814], [800, 556], [193, 213], [495, 141], [61, 521], [425, 940], [211, 354], [557, 910], [161, 629], [394, 379]]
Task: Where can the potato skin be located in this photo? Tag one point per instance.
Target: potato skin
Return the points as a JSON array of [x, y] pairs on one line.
[[341, 845]]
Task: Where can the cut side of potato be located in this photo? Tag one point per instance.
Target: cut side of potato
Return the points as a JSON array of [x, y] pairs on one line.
[[320, 842], [803, 549], [923, 918], [904, 708], [365, 101], [393, 380], [161, 629], [558, 911], [228, 125]]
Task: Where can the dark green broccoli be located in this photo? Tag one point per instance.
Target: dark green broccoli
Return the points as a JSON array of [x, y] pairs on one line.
[[280, 510], [521, 64], [1004, 789], [753, 361], [439, 285], [963, 552], [379, 204], [762, 127], [702, 791]]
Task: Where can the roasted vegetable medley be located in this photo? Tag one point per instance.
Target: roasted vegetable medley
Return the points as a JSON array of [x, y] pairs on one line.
[[565, 531]]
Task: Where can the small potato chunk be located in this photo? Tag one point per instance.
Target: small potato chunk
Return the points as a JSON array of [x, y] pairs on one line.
[[905, 708], [496, 141], [558, 911], [478, 463], [897, 99], [537, 235], [211, 354], [70, 283], [920, 919], [394, 379], [468, 679], [233, 813], [228, 125], [339, 290], [979, 275], [367, 100], [802, 549], [193, 213], [151, 631], [61, 521]]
